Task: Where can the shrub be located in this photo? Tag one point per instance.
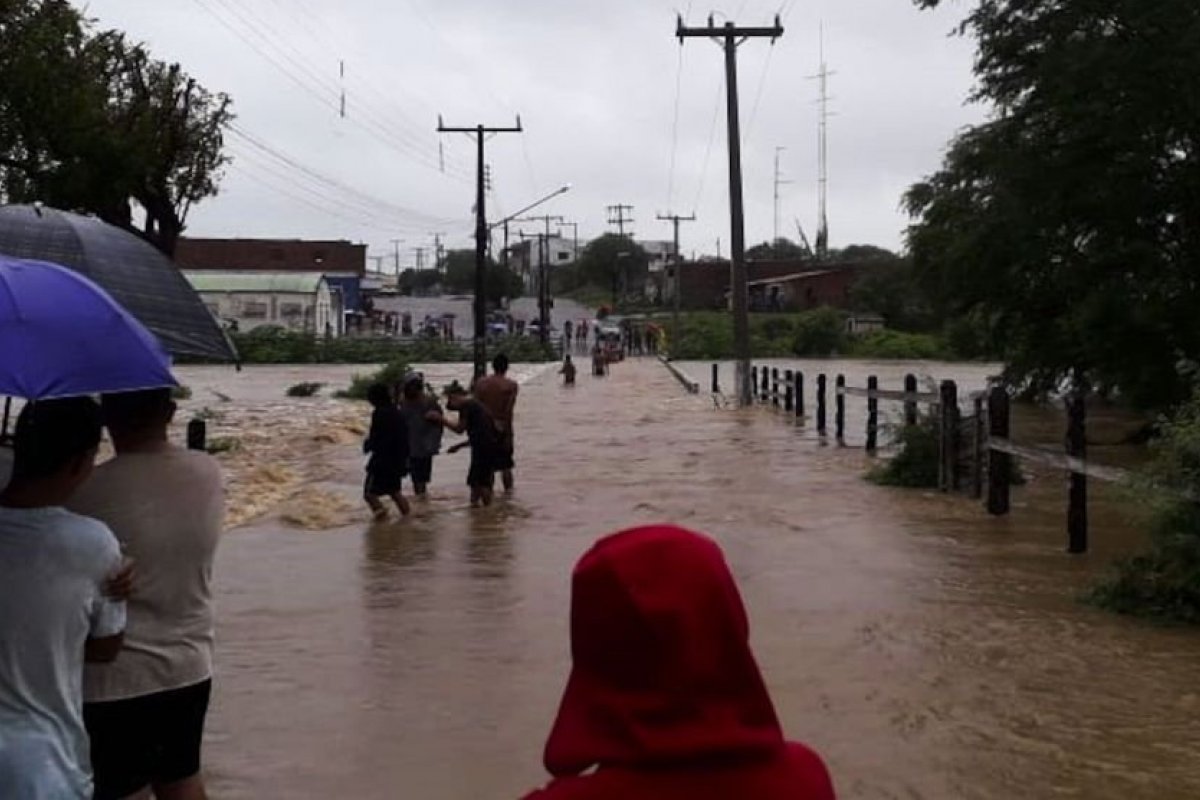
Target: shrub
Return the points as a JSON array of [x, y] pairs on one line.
[[915, 465], [1164, 582], [223, 444], [889, 344], [389, 375], [819, 333], [306, 389], [181, 393]]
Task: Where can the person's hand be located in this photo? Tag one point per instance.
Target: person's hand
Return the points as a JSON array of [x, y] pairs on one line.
[[457, 447], [119, 585]]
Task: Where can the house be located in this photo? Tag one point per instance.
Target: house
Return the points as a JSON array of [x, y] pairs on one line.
[[295, 301], [658, 254], [343, 263], [786, 285]]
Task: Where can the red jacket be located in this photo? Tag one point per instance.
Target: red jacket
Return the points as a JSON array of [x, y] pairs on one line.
[[665, 699]]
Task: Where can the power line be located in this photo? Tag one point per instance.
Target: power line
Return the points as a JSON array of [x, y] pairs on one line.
[[712, 137]]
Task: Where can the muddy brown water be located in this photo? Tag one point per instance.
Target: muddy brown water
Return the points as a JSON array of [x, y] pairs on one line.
[[925, 650]]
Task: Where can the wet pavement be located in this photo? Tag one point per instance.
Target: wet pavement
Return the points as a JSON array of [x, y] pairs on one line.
[[926, 650]]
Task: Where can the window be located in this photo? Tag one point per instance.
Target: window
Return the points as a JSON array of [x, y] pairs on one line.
[[564, 256], [254, 309], [287, 310]]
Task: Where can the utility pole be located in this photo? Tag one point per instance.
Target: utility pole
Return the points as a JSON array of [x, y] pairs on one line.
[[779, 181], [823, 155], [730, 36], [396, 243], [480, 132], [438, 251], [574, 226], [420, 258], [616, 216], [544, 298], [676, 267]]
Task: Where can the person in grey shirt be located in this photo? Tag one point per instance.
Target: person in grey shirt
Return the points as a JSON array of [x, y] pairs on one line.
[[424, 418]]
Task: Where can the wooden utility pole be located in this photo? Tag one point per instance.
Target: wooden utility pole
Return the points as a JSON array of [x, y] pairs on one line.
[[544, 298], [480, 133], [616, 216], [730, 36], [676, 264]]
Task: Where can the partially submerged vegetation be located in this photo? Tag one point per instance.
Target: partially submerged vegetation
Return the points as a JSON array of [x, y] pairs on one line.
[[1164, 582], [271, 345]]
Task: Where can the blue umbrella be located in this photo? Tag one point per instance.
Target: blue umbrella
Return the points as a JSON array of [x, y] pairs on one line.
[[62, 336]]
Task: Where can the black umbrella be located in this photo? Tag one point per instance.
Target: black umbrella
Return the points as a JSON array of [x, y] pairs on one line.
[[143, 280]]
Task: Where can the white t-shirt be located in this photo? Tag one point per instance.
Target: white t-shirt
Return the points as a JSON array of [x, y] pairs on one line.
[[166, 509], [53, 565]]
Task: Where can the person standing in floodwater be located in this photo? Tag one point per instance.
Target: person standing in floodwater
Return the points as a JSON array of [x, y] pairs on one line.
[[387, 442], [145, 711], [423, 416], [498, 394], [568, 372], [483, 439], [665, 700]]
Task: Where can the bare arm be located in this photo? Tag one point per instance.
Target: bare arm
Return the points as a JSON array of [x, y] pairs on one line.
[[458, 426]]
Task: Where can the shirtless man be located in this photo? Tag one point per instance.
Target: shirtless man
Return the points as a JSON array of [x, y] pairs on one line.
[[498, 394]]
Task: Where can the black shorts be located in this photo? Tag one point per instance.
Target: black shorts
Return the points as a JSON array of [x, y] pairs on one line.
[[152, 739], [421, 469], [383, 482], [482, 474], [503, 458]]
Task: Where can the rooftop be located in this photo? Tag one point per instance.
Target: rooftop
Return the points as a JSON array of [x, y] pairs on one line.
[[263, 282]]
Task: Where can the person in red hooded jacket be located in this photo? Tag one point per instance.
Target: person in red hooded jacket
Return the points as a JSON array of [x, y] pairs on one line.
[[665, 699]]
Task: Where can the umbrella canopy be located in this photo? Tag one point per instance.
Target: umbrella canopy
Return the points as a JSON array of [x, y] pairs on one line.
[[62, 336], [144, 281]]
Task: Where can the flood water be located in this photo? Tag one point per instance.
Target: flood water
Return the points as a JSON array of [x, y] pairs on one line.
[[926, 650]]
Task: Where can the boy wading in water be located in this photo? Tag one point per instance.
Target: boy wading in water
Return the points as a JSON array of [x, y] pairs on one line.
[[483, 438], [387, 443], [568, 372], [423, 416]]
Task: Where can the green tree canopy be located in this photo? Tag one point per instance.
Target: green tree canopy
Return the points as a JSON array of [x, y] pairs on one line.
[[1069, 222], [614, 261], [500, 281], [90, 122], [780, 250]]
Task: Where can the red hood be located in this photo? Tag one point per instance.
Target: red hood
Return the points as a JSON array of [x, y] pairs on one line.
[[662, 670]]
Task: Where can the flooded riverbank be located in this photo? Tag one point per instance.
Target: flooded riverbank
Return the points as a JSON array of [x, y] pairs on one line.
[[927, 650]]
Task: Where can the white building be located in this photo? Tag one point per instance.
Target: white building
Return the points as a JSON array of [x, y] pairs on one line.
[[659, 252], [243, 301]]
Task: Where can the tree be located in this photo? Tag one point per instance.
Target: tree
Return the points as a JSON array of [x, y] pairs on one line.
[[1069, 222], [90, 122], [500, 281], [780, 250], [614, 262]]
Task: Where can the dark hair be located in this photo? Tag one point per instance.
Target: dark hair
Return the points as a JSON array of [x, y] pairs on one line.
[[500, 363], [126, 411], [50, 433], [414, 387], [379, 395]]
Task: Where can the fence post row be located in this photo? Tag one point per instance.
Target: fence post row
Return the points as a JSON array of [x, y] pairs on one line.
[[799, 394], [948, 421], [775, 386], [910, 406], [821, 382], [1077, 516], [872, 415], [840, 405], [789, 389], [999, 464], [979, 449]]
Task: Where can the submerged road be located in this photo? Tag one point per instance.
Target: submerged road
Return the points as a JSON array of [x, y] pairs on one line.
[[926, 650]]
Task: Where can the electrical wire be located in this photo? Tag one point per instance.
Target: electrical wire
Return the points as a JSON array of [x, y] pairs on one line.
[[712, 135]]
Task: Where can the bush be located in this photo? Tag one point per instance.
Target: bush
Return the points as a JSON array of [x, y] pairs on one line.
[[1165, 581], [390, 375], [916, 464], [307, 389], [889, 344], [181, 393], [222, 444], [820, 333]]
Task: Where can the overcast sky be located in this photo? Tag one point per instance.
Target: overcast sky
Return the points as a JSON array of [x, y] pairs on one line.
[[596, 85]]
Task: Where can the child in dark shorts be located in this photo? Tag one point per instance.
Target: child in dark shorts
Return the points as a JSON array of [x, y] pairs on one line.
[[387, 442], [483, 438]]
